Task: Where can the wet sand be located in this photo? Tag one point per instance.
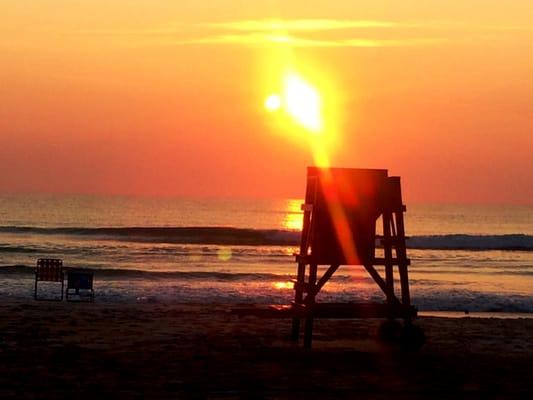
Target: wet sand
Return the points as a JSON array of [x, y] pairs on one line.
[[59, 350]]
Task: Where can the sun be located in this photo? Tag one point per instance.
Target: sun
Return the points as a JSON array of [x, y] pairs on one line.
[[303, 102], [303, 108], [300, 100], [273, 102]]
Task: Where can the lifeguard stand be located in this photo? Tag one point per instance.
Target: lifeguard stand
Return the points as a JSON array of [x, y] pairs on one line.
[[341, 211]]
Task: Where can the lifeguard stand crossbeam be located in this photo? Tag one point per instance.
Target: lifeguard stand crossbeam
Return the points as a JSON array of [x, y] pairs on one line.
[[341, 211]]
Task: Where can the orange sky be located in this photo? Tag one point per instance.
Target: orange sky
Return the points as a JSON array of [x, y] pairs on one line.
[[165, 98]]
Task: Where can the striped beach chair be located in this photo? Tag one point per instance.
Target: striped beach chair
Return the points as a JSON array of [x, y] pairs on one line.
[[49, 270]]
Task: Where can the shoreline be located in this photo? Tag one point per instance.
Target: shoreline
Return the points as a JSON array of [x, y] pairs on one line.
[[475, 314], [147, 300], [138, 291]]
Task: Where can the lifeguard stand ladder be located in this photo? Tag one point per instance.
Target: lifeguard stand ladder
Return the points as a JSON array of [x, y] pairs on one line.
[[341, 210]]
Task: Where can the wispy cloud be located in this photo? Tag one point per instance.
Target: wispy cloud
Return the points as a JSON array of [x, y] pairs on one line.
[[273, 24], [259, 26], [301, 24], [255, 39], [312, 33]]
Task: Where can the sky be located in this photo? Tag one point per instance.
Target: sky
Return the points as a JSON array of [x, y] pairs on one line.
[[166, 98]]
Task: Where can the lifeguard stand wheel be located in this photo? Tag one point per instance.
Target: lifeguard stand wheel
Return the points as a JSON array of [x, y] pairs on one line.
[[341, 210]]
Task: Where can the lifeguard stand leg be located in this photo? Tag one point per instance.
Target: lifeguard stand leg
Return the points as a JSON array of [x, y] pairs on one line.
[[401, 254], [298, 299], [387, 248], [310, 301]]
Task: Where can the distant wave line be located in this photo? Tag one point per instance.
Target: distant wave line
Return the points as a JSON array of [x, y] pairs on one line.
[[143, 274], [181, 235], [265, 237]]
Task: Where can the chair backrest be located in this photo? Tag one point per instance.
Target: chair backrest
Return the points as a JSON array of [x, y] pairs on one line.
[[80, 280], [49, 269]]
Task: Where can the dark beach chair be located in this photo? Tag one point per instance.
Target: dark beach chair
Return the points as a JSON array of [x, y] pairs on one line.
[[80, 285], [49, 270]]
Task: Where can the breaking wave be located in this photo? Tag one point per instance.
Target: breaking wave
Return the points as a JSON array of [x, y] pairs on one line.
[[261, 237]]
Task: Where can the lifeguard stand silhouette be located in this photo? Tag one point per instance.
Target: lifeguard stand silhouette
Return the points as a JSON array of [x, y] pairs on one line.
[[341, 211]]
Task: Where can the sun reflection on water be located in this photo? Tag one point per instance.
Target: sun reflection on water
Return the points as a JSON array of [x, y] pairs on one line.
[[293, 219], [283, 285], [224, 254]]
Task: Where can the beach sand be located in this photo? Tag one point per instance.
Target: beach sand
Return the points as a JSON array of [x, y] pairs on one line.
[[59, 350]]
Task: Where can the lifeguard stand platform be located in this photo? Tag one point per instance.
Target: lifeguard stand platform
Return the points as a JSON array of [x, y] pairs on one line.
[[340, 223]]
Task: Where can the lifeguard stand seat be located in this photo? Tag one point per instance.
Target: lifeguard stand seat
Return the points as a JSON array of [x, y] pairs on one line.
[[49, 270], [341, 210]]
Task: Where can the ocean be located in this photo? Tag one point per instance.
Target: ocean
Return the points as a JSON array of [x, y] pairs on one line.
[[475, 258]]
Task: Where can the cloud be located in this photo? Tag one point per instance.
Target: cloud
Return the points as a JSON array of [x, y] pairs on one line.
[[258, 26], [301, 24], [253, 39], [313, 33]]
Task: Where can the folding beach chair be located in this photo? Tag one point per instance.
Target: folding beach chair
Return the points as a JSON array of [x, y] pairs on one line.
[[80, 284], [49, 270]]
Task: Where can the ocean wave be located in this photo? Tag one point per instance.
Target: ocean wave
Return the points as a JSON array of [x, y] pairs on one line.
[[182, 235], [20, 249], [262, 237], [472, 242], [124, 274]]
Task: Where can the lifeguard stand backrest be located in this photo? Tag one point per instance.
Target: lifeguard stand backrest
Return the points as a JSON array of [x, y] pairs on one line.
[[346, 204]]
